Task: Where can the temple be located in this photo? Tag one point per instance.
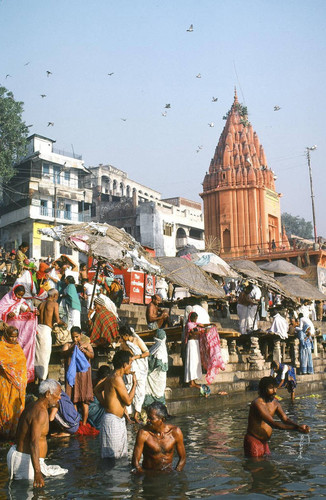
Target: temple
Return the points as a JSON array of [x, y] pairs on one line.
[[241, 206]]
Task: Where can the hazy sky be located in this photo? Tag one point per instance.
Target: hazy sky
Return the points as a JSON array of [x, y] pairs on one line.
[[273, 51]]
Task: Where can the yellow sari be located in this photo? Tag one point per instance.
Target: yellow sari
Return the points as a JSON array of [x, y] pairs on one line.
[[13, 381]]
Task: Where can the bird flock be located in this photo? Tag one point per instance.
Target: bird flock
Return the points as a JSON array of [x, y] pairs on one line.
[[167, 106]]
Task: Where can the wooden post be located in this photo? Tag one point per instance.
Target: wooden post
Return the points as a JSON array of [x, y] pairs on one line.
[[95, 281]]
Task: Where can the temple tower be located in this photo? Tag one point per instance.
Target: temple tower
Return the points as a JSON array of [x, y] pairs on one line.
[[241, 206]]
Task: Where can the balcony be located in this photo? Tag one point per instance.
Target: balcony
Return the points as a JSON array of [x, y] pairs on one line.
[[64, 215]]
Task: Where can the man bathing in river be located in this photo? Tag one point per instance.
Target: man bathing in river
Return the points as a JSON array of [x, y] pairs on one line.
[[157, 441], [26, 459], [114, 397], [261, 420]]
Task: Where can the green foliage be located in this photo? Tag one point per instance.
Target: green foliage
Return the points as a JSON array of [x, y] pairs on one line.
[[297, 225], [242, 110], [13, 133]]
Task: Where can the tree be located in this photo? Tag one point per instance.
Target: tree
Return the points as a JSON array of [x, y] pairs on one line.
[[297, 225], [13, 133]]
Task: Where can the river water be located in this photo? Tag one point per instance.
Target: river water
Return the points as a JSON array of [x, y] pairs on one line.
[[215, 462]]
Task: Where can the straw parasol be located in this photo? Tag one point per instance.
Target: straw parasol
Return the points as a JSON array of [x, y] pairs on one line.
[[282, 267], [184, 273], [251, 271], [299, 288], [212, 263]]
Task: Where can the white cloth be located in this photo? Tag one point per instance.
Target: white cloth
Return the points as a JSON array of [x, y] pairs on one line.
[[306, 321], [140, 367], [162, 288], [43, 348], [203, 316], [26, 280], [156, 379], [89, 287], [305, 310], [113, 437], [243, 318], [193, 369], [109, 304], [255, 293], [252, 317], [53, 274], [20, 466], [73, 316], [280, 326]]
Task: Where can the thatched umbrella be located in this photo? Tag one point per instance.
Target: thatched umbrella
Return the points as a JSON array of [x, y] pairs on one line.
[[282, 267], [186, 274], [299, 288], [251, 271], [212, 263]]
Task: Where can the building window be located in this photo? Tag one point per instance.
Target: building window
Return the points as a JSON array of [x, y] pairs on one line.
[[56, 175], [65, 250], [167, 228], [44, 208], [67, 178], [68, 211], [47, 248], [46, 169]]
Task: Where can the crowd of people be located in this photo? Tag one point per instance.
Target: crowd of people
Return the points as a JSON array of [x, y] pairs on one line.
[[56, 298]]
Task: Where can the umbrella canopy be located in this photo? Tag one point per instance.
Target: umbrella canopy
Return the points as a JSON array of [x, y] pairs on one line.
[[212, 263], [187, 250], [300, 288], [282, 267], [251, 271], [186, 274], [104, 242]]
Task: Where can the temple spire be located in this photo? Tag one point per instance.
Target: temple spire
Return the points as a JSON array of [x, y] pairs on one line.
[[235, 96]]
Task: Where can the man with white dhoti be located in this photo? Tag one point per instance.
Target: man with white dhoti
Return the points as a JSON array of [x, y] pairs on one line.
[[49, 315], [131, 342], [157, 370], [25, 459], [113, 396], [253, 315]]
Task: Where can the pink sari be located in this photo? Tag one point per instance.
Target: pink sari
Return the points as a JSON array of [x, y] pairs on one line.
[[210, 352], [25, 322]]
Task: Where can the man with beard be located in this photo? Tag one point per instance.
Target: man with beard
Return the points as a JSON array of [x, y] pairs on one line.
[[157, 442], [261, 420]]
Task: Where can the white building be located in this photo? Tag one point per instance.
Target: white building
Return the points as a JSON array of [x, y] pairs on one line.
[[164, 225], [47, 190]]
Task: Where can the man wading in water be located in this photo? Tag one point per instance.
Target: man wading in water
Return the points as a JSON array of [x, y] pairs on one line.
[[261, 420], [157, 441]]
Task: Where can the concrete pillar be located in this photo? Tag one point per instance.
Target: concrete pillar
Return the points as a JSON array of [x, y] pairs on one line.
[[256, 359], [277, 355]]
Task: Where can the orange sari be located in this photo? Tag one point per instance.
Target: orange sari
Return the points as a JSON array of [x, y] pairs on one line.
[[13, 381]]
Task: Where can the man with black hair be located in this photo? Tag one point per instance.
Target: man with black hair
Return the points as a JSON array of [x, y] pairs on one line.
[[114, 397], [157, 442], [261, 420]]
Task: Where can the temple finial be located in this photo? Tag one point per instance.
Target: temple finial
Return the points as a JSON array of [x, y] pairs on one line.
[[235, 96]]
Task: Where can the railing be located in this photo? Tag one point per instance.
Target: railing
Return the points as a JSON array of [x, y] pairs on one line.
[[65, 215], [67, 153]]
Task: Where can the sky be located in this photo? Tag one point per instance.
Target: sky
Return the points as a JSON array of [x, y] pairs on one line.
[[274, 52]]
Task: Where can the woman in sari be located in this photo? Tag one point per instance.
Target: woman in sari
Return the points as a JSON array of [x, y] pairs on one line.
[[105, 325], [15, 311], [72, 303], [131, 342], [13, 380], [193, 369], [157, 370]]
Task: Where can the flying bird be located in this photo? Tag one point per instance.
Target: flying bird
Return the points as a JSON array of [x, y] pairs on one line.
[[110, 74], [214, 99], [168, 106], [200, 147], [191, 28], [26, 64], [123, 119], [277, 108], [198, 76], [211, 124], [29, 126], [43, 95], [164, 114], [48, 73], [7, 76], [50, 124]]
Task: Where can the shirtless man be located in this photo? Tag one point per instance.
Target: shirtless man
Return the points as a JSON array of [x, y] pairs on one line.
[[157, 442], [26, 459], [156, 317], [48, 317], [114, 397], [261, 420]]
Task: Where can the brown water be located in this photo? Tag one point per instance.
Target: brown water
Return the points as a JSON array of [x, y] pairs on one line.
[[215, 463]]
